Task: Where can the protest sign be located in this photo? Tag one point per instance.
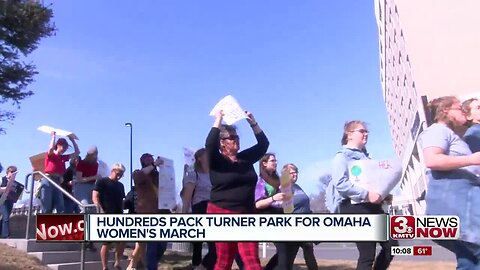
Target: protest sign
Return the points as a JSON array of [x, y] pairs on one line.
[[231, 109], [58, 131], [380, 176], [166, 185], [286, 187], [189, 156]]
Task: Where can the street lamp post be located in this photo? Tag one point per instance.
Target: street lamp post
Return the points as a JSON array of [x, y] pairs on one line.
[[131, 146]]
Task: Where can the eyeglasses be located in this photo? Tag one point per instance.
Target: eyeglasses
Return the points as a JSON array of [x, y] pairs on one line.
[[363, 131], [232, 137], [293, 173], [456, 108]]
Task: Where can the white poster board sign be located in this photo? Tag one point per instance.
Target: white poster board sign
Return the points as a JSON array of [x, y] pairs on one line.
[[231, 109], [380, 176], [103, 168], [59, 132], [10, 185], [286, 187], [189, 156], [166, 185]]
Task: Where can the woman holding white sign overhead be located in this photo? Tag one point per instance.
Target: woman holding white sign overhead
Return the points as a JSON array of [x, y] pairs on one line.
[[453, 173], [233, 184], [346, 198], [50, 196]]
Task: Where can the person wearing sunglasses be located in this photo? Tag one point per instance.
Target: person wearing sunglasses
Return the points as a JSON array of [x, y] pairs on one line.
[[233, 184], [453, 178], [341, 192]]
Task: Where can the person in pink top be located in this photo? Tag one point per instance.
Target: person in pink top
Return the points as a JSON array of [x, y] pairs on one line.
[[55, 159]]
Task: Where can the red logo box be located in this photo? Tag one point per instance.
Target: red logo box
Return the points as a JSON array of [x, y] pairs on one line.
[[402, 227], [60, 227]]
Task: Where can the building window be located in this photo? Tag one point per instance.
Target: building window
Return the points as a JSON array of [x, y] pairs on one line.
[[399, 57], [405, 80], [394, 35], [379, 11]]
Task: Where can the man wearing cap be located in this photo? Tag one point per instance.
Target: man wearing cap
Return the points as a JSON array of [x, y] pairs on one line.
[[108, 195], [146, 186], [50, 196]]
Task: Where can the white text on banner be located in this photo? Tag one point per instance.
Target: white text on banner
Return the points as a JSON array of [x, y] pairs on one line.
[[226, 227]]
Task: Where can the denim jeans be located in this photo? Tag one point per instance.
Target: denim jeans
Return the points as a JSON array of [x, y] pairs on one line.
[[467, 254], [155, 251], [70, 206], [5, 211], [51, 197], [83, 192], [459, 197]]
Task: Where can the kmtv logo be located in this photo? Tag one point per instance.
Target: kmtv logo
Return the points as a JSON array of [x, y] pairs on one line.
[[424, 227]]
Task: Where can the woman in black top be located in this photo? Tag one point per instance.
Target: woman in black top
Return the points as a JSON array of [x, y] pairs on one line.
[[233, 184]]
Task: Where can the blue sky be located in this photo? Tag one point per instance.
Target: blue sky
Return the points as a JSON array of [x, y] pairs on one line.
[[302, 67]]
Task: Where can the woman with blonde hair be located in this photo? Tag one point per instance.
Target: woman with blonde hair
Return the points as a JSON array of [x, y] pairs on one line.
[[196, 194], [341, 193], [453, 186]]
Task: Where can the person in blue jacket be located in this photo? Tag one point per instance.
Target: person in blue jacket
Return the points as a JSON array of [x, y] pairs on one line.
[[341, 193]]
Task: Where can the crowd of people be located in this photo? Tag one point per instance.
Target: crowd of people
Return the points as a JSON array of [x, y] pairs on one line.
[[224, 181]]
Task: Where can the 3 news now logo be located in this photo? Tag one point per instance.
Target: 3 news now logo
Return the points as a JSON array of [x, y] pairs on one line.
[[424, 227], [60, 227]]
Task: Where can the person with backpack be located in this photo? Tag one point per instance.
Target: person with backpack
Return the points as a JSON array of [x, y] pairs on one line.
[[196, 194]]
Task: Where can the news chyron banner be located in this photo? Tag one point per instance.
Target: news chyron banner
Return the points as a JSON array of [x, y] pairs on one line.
[[60, 227], [230, 227], [425, 227]]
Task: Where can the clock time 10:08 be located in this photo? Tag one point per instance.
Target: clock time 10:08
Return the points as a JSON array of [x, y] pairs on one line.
[[412, 250], [402, 250]]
